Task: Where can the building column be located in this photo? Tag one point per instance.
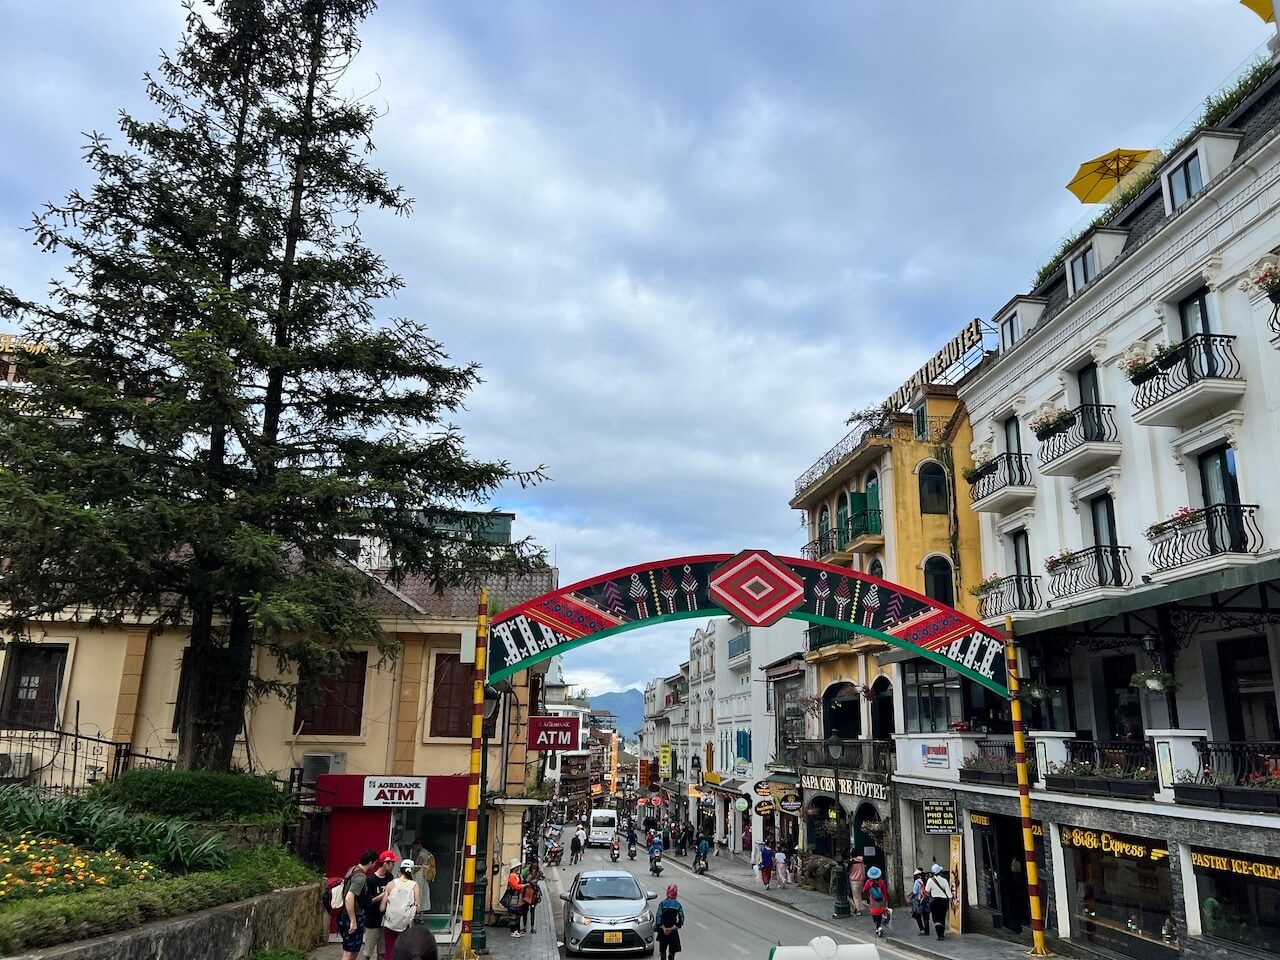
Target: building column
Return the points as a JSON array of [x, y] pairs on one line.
[[137, 643], [412, 656]]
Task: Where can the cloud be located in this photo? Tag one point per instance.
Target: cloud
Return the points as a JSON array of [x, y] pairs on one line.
[[683, 243]]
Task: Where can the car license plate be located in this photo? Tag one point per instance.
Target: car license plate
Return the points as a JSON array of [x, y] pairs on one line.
[[614, 936]]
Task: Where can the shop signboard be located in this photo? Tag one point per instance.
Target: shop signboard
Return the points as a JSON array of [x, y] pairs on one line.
[[555, 733], [395, 791], [741, 804], [846, 786], [664, 762], [708, 801], [790, 803], [1241, 866], [642, 770], [765, 808], [940, 816], [1112, 844], [935, 754], [955, 915], [740, 767], [763, 788]]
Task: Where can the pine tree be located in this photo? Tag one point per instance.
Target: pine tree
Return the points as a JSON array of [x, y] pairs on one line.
[[221, 413]]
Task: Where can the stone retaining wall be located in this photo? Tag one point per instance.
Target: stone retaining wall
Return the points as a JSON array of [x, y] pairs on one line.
[[286, 918], [244, 836]]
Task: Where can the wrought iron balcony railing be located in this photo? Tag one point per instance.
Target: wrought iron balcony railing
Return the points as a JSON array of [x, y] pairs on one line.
[[1217, 529], [1016, 592], [822, 636], [860, 524], [1203, 356], [996, 762], [934, 430], [873, 756], [1122, 759], [1236, 763], [1003, 470], [1094, 423], [1089, 569]]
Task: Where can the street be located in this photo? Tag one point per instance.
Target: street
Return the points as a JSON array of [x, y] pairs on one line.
[[719, 918]]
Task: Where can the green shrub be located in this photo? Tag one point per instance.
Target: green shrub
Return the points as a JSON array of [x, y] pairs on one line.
[[90, 823], [43, 922], [200, 795], [279, 953]]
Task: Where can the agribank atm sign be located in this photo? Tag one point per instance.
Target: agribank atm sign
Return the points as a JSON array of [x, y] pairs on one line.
[[395, 791]]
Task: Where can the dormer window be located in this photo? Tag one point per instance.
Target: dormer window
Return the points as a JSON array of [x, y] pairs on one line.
[[921, 422], [1084, 267], [1185, 182], [1008, 332]]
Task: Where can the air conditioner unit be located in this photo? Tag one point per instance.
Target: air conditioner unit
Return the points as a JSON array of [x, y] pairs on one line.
[[315, 764], [15, 766]]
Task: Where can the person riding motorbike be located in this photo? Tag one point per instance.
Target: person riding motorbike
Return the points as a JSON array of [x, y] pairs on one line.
[[615, 850], [655, 857], [700, 858]]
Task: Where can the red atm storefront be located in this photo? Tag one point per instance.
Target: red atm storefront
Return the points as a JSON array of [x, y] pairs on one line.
[[408, 815]]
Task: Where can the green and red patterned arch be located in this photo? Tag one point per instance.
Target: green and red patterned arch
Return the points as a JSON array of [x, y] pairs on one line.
[[757, 588]]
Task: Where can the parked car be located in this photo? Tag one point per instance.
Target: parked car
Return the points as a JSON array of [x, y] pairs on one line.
[[606, 911]]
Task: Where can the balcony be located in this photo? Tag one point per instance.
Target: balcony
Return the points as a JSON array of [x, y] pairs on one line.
[[995, 763], [787, 756], [1233, 776], [1008, 595], [740, 648], [1093, 568], [1122, 769], [1198, 377], [1226, 532], [1087, 444], [863, 532], [1002, 483], [869, 756]]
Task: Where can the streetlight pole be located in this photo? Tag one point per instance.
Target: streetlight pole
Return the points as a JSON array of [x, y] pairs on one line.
[[479, 936], [840, 905]]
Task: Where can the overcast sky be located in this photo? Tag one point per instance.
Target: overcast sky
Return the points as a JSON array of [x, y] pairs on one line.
[[684, 240]]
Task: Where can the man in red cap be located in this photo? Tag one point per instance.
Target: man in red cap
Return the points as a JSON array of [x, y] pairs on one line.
[[376, 890]]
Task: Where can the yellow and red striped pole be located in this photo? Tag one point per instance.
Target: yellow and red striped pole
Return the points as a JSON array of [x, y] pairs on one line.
[[474, 789], [1038, 948]]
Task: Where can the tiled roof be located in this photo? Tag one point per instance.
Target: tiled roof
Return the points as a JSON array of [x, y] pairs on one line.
[[418, 596]]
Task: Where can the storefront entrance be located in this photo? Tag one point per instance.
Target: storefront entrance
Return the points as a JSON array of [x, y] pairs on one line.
[[433, 840], [1239, 897], [1001, 875]]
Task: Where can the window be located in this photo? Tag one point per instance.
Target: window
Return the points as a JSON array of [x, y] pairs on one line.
[[1091, 415], [842, 518], [921, 422], [824, 521], [1220, 490], [938, 584], [1201, 360], [1102, 514], [32, 681], [1185, 182], [333, 706], [451, 706], [933, 697], [1012, 436], [1083, 269], [933, 489], [1008, 332]]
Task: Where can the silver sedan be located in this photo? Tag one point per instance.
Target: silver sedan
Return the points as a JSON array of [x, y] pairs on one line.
[[607, 912]]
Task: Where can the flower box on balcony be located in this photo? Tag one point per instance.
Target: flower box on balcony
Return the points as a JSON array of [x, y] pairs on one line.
[[1062, 784], [1198, 794], [1055, 421], [1124, 789], [981, 776], [978, 471], [1132, 789], [1169, 356], [1257, 799]]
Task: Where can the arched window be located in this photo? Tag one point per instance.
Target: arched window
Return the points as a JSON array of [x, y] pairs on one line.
[[938, 584], [874, 524], [876, 569], [824, 521], [933, 488]]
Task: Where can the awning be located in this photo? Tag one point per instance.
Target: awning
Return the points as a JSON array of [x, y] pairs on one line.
[[727, 788], [786, 779]]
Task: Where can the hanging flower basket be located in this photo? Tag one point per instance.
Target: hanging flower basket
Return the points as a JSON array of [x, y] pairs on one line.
[[1155, 680], [1034, 692]]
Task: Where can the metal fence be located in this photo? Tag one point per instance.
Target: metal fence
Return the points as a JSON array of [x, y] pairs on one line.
[[57, 761]]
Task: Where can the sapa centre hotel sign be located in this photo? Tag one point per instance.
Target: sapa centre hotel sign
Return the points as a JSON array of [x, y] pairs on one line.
[[395, 791]]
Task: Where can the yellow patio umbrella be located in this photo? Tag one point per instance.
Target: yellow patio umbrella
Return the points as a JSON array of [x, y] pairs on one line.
[[1263, 8], [1097, 178]]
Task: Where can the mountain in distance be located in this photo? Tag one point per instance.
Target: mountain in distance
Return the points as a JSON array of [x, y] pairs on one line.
[[626, 705]]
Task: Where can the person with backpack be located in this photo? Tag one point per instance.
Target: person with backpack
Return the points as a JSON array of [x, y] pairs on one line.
[[375, 892], [876, 893], [669, 920], [920, 902], [352, 900], [939, 890], [530, 895], [402, 906]]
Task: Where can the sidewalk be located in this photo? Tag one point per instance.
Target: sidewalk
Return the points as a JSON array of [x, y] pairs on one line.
[[903, 933]]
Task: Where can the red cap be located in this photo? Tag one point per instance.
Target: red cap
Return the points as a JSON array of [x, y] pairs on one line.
[[388, 855]]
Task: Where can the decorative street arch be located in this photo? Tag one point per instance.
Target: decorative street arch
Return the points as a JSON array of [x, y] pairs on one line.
[[757, 588]]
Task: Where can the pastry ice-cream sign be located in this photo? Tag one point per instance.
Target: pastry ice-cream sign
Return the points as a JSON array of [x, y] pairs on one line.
[[395, 791]]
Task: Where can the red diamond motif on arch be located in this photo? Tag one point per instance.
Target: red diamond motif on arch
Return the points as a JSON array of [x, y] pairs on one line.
[[757, 588]]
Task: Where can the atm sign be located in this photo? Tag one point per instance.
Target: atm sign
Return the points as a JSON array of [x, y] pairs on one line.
[[554, 733], [395, 791]]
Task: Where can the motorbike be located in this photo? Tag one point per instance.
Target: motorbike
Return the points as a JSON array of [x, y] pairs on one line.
[[555, 853], [699, 864], [655, 864], [631, 851], [615, 851]]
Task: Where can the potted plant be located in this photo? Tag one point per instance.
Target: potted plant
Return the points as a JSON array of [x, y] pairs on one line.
[[1156, 680], [986, 585], [1046, 425], [1167, 355], [1268, 281], [1197, 788], [979, 470], [1061, 561], [1071, 776], [1180, 519], [1138, 369], [1138, 783], [1257, 791]]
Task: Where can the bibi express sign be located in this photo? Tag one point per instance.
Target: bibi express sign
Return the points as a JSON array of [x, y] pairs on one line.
[[555, 733], [395, 791]]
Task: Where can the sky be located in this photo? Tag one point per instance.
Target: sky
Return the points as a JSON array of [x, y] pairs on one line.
[[684, 241]]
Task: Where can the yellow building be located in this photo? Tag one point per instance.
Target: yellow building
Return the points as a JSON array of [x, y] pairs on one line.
[[84, 703]]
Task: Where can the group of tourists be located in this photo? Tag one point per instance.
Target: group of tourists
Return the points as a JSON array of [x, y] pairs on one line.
[[376, 902], [522, 896], [930, 897]]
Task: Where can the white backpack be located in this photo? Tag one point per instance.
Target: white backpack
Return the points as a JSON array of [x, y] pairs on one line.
[[400, 910]]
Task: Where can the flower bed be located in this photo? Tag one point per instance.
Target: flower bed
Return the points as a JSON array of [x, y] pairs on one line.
[[38, 866]]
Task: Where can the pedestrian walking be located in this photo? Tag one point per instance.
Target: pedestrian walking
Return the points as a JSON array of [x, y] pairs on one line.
[[780, 868], [857, 878], [876, 893], [530, 894], [670, 920], [766, 864], [939, 890], [376, 902], [920, 902], [666, 836], [402, 906], [575, 848], [351, 917]]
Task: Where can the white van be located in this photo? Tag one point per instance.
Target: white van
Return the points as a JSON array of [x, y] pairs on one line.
[[602, 827]]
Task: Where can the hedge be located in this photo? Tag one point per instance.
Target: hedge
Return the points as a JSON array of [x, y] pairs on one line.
[[44, 922], [279, 953], [200, 795]]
